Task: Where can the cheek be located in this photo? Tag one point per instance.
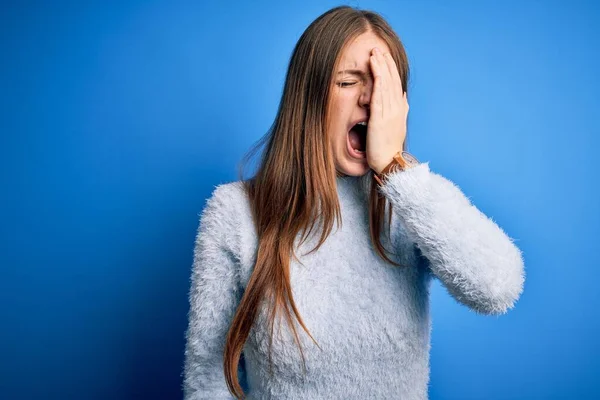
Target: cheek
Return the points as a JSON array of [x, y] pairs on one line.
[[342, 103]]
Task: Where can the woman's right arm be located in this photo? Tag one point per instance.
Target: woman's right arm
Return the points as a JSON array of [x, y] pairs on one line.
[[213, 298]]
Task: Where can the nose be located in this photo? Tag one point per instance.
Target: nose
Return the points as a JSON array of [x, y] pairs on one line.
[[365, 96]]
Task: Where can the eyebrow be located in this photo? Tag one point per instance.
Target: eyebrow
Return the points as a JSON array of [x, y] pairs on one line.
[[356, 72]]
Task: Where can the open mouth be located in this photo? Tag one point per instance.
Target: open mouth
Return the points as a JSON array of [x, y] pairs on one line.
[[357, 138]]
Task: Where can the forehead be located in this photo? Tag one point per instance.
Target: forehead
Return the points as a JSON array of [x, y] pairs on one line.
[[356, 53]]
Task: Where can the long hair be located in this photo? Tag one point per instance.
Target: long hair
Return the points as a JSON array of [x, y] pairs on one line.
[[294, 186]]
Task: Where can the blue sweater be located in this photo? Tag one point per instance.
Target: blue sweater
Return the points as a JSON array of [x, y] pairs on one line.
[[370, 318]]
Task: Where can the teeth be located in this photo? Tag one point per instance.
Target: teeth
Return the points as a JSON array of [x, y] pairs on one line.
[[363, 123]]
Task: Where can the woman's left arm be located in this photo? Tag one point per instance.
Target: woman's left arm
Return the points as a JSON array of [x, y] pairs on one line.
[[466, 250], [471, 255]]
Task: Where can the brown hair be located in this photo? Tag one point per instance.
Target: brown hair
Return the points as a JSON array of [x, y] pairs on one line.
[[295, 182]]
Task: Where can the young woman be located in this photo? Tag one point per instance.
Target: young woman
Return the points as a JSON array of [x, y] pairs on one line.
[[282, 306]]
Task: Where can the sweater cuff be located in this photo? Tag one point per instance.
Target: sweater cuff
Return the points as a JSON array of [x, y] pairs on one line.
[[409, 186]]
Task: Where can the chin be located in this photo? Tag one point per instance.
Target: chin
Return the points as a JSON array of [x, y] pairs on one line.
[[352, 168]]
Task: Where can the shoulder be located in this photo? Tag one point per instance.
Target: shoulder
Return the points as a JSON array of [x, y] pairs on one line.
[[227, 219], [224, 205], [226, 199]]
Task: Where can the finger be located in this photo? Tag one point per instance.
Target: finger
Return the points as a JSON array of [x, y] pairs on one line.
[[377, 95], [395, 80], [392, 70], [388, 95], [385, 79], [393, 67]]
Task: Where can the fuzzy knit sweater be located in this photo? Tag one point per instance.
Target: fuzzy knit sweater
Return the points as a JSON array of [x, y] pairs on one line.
[[370, 318]]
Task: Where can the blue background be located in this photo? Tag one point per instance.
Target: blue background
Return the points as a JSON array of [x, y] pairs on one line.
[[119, 119]]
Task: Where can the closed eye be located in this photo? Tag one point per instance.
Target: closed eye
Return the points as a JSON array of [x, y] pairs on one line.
[[345, 84]]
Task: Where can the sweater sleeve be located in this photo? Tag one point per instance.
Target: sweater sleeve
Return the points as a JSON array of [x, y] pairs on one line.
[[213, 298], [471, 255]]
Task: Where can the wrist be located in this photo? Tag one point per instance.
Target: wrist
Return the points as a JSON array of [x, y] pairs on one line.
[[402, 160], [380, 166]]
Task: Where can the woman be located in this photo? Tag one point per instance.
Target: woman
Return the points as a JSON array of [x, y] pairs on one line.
[[360, 293]]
